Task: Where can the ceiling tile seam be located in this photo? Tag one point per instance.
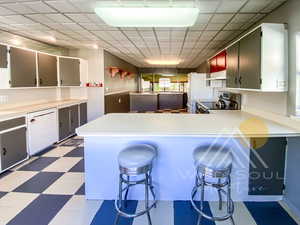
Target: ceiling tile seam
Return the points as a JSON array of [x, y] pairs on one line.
[[139, 33], [237, 12], [156, 38], [131, 41]]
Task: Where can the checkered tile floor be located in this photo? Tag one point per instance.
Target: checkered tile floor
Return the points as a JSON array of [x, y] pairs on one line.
[[49, 189]]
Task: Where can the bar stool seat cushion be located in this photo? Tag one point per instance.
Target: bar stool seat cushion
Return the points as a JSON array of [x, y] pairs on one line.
[[213, 157], [136, 156]]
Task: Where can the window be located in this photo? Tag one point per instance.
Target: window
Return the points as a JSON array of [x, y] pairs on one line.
[[164, 82]]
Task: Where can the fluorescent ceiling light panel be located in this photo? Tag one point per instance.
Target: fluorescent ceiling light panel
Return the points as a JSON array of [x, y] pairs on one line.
[[148, 17], [163, 62]]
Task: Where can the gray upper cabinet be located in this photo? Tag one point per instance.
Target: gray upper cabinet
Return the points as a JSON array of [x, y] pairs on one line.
[[250, 60], [47, 67], [3, 56], [23, 68], [232, 71], [69, 70]]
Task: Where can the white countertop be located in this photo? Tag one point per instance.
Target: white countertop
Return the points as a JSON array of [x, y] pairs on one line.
[[19, 111], [218, 123]]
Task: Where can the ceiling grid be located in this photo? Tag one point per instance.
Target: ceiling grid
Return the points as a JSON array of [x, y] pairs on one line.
[[74, 24]]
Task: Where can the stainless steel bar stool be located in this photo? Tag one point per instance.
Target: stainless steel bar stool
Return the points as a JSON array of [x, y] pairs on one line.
[[214, 162], [135, 161]]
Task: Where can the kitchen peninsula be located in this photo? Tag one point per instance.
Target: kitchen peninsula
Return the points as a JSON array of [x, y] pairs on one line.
[[253, 140]]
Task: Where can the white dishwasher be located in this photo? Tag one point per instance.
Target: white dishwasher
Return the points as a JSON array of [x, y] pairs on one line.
[[42, 130]]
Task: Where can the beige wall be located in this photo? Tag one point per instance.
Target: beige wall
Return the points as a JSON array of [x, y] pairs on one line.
[[116, 84]]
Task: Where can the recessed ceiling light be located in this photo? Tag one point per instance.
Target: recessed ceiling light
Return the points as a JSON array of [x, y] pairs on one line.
[[16, 42], [163, 62], [148, 17]]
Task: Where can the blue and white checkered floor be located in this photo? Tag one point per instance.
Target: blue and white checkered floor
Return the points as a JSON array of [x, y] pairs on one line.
[[49, 189]]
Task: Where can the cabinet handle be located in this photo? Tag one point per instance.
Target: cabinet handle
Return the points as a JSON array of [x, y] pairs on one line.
[[4, 151], [240, 80], [236, 80], [35, 81], [41, 81], [32, 120]]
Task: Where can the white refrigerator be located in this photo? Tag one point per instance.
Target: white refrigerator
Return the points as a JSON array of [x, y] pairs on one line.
[[198, 90]]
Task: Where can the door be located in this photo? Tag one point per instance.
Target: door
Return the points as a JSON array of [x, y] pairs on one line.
[[47, 67], [3, 56], [69, 70], [42, 131], [64, 123], [266, 170], [13, 147], [74, 118], [83, 113], [232, 72], [23, 68], [250, 60]]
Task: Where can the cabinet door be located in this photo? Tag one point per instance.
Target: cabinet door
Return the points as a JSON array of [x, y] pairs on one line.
[[13, 147], [64, 123], [267, 164], [3, 56], [23, 68], [47, 67], [232, 72], [69, 70], [250, 60], [83, 113], [74, 118]]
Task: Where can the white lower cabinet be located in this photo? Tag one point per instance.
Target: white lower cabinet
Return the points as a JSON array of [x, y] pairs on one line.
[[42, 130]]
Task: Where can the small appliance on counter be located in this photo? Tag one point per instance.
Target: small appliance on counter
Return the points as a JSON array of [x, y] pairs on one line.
[[226, 101]]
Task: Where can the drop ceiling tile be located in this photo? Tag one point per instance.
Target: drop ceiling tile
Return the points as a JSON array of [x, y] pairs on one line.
[[215, 26], [90, 26], [19, 8], [243, 18], [94, 18], [203, 18], [39, 7], [63, 6], [234, 26], [208, 6], [18, 19], [42, 18], [5, 12], [257, 17], [223, 35], [79, 18], [59, 18], [273, 5], [72, 26], [255, 6], [221, 18], [84, 6], [231, 6]]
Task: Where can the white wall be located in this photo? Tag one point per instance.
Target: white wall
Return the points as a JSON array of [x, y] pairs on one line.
[[95, 95]]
